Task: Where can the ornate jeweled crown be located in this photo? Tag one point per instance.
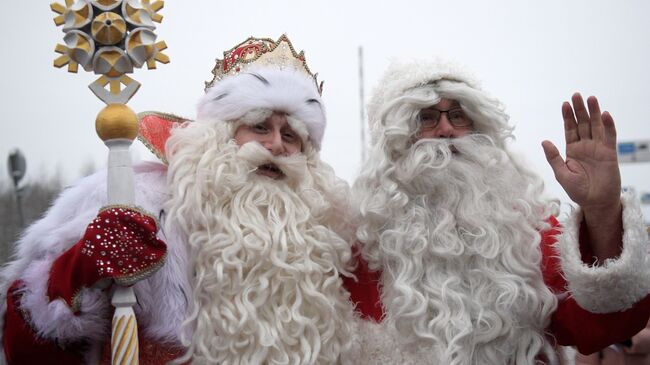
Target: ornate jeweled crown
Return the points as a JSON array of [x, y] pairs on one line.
[[261, 51]]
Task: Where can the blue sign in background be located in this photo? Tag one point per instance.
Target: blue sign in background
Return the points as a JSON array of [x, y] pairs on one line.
[[626, 148]]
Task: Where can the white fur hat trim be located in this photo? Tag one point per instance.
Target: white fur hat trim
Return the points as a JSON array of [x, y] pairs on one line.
[[268, 88], [402, 75]]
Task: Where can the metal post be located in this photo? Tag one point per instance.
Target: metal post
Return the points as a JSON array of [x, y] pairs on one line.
[[361, 107], [19, 206]]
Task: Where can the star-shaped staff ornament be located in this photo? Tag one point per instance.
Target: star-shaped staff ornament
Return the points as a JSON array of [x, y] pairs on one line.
[[111, 38]]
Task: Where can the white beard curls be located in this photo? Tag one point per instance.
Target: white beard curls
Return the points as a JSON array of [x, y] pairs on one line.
[[266, 286], [455, 231]]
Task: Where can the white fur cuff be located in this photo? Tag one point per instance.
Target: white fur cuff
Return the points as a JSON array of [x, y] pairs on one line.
[[55, 320], [618, 283]]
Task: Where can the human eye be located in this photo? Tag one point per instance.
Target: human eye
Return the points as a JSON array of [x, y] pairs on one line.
[[259, 128], [457, 115], [289, 136], [429, 117]]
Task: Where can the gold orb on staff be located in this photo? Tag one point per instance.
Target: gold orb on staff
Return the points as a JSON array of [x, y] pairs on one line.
[[111, 38]]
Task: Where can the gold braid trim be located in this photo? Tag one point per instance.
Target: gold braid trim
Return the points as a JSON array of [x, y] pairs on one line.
[[169, 117], [133, 208], [130, 279], [17, 295]]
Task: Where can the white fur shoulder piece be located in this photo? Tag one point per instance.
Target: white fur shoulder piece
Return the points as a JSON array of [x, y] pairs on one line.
[[60, 228], [618, 283]]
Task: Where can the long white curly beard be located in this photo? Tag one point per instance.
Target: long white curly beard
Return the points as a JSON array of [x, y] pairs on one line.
[[460, 255], [266, 286]]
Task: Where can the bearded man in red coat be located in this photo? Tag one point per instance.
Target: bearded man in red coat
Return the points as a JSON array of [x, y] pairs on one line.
[[461, 259], [234, 251]]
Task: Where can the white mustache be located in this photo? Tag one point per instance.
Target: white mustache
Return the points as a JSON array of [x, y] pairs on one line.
[[294, 167], [442, 150], [429, 157]]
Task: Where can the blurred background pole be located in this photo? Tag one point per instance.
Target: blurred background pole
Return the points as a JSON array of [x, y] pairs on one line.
[[361, 107], [17, 167]]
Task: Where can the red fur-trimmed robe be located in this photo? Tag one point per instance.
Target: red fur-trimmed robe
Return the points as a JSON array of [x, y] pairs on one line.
[[622, 283], [571, 324]]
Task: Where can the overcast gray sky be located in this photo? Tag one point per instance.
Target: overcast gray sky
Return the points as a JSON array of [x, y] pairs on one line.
[[532, 55]]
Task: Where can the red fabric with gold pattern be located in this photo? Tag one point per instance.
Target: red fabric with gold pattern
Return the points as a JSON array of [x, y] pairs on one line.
[[155, 129], [21, 344], [119, 244], [248, 51]]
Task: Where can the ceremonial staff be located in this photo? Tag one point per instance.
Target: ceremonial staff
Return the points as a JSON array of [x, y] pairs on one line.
[[110, 38]]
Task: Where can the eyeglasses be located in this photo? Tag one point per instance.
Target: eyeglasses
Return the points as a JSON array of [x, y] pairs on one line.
[[430, 117]]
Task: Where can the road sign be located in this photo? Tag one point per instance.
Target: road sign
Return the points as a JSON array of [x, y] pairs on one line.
[[645, 198], [17, 166], [634, 151]]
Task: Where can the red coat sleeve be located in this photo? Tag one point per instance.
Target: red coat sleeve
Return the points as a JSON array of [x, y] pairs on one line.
[[22, 345], [571, 325]]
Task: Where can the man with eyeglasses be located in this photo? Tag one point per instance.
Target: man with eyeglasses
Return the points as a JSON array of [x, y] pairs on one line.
[[460, 259]]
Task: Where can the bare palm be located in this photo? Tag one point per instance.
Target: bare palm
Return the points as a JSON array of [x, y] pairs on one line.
[[590, 174]]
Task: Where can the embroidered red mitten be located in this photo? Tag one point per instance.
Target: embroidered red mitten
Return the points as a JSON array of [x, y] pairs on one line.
[[120, 245]]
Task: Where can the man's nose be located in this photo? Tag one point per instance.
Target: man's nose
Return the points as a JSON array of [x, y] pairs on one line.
[[274, 143], [444, 129]]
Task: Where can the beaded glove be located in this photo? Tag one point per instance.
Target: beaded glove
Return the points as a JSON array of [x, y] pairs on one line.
[[119, 245]]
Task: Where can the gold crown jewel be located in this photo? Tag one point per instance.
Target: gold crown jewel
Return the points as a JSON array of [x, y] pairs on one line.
[[261, 51], [110, 38]]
